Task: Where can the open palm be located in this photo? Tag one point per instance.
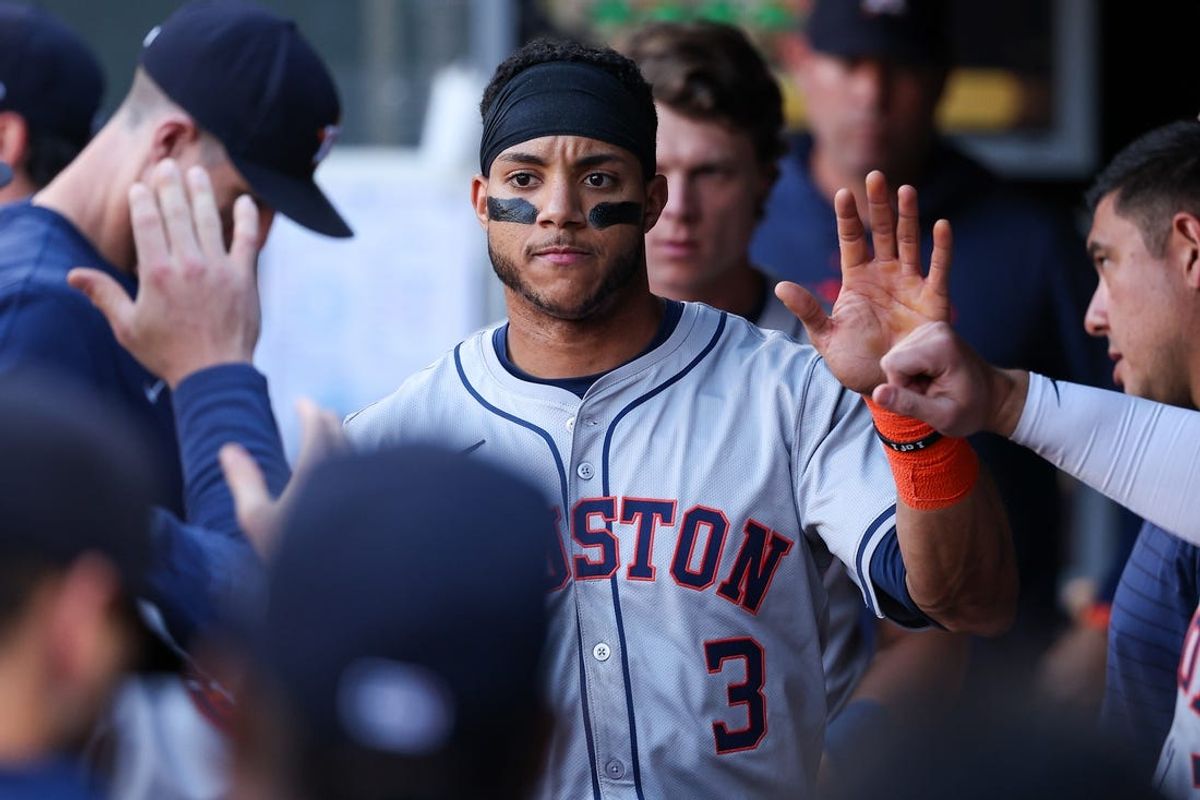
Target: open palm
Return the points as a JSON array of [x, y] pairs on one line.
[[883, 298]]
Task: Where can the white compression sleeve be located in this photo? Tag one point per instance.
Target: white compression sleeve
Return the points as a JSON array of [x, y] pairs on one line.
[[1142, 454]]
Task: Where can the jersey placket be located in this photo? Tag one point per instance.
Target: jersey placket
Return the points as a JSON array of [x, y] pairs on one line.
[[600, 637]]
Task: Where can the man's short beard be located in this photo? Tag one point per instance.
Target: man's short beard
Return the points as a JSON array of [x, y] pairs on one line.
[[623, 270]]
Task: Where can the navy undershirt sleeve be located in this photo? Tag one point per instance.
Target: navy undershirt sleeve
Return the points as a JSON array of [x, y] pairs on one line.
[[206, 565], [215, 406], [888, 575]]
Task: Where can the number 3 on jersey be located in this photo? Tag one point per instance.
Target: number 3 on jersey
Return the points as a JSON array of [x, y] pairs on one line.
[[746, 693]]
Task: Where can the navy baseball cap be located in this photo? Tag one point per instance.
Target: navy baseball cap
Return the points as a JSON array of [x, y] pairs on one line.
[[406, 604], [48, 74], [905, 31], [250, 79]]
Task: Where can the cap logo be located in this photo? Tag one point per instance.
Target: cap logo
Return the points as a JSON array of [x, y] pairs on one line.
[[395, 707], [152, 35], [895, 8], [326, 136]]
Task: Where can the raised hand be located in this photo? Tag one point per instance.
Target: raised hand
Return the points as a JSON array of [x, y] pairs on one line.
[[197, 304], [883, 298], [259, 515]]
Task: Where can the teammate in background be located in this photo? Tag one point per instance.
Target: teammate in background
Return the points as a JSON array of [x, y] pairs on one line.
[[392, 663], [703, 471], [50, 90], [233, 87], [209, 90], [74, 551], [450, 628], [1145, 244], [871, 76], [720, 123]]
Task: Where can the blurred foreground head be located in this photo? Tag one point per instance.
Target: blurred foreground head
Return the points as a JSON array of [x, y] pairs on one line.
[[400, 649], [74, 550]]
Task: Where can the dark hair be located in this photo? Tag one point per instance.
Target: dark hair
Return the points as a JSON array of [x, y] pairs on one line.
[[1154, 176], [711, 71], [47, 154], [542, 51]]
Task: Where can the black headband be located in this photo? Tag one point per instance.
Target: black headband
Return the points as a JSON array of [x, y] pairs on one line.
[[568, 98]]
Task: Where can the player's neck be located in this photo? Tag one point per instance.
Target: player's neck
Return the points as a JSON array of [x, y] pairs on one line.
[[829, 175], [20, 188], [92, 193], [24, 733], [550, 348], [738, 290]]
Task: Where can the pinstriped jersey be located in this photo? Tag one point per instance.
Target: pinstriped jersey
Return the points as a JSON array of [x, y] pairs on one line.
[[701, 489]]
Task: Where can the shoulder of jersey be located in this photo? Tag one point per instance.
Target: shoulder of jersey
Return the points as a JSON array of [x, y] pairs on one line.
[[379, 423]]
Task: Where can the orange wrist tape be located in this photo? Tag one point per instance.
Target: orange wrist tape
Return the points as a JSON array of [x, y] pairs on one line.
[[931, 471]]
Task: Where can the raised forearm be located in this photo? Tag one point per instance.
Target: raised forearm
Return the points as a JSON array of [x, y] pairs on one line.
[[960, 561]]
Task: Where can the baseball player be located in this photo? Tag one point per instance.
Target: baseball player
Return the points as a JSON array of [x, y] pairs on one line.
[[720, 134], [212, 87], [236, 88], [50, 89], [1144, 241], [702, 471]]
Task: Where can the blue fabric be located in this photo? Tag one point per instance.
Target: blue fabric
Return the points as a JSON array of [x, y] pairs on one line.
[[1153, 605], [672, 311], [861, 725], [1020, 285], [206, 566], [45, 323], [889, 577], [57, 779]]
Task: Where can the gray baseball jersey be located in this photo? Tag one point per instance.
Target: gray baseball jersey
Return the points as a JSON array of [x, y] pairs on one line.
[[701, 488], [848, 650]]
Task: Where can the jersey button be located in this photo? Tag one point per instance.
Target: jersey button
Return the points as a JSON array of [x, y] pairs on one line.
[[615, 769], [585, 471], [601, 652], [571, 424]]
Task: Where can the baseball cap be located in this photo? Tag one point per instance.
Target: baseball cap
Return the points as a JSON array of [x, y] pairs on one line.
[[906, 31], [250, 79], [75, 479], [48, 74], [406, 604]]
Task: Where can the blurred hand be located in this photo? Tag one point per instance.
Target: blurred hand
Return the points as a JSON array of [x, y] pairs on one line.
[[197, 304], [260, 515]]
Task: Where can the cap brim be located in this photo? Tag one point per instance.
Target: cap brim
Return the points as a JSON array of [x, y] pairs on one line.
[[6, 174], [300, 200]]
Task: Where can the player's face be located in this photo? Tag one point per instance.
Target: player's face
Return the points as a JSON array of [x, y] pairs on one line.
[[869, 114], [716, 186], [228, 185], [1140, 305], [566, 218]]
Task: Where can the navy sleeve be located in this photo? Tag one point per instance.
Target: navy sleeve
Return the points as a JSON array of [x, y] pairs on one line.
[[204, 567], [198, 577], [888, 575], [213, 407]]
